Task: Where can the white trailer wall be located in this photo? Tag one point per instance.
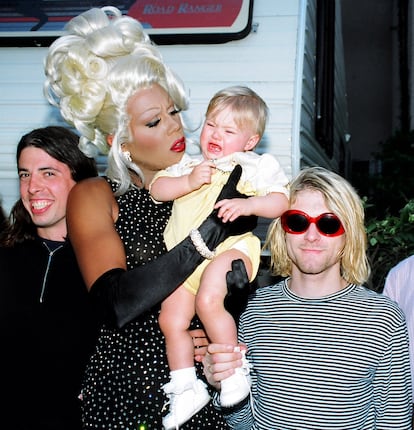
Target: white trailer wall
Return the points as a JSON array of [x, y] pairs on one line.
[[277, 60], [264, 60]]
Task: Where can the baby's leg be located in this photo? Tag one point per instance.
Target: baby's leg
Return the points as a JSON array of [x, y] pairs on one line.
[[218, 323], [177, 310], [186, 394]]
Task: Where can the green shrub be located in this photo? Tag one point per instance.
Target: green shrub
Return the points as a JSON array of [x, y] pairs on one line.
[[389, 204], [390, 240], [393, 185]]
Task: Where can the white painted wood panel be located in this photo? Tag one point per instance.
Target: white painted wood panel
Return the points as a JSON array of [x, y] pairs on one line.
[[266, 60]]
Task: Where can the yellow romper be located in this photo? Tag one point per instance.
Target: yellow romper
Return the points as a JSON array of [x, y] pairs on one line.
[[261, 175]]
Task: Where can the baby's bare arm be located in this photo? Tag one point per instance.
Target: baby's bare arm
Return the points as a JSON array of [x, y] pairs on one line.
[[166, 188], [270, 206]]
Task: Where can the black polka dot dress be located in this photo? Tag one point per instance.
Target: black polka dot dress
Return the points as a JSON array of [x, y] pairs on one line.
[[123, 380]]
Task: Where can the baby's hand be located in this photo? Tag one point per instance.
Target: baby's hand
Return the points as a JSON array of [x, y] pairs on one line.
[[201, 175], [231, 209]]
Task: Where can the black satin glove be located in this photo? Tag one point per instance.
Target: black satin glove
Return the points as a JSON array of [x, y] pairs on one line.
[[124, 295], [213, 230], [238, 289]]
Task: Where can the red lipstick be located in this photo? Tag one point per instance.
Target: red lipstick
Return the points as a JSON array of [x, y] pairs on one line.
[[178, 145]]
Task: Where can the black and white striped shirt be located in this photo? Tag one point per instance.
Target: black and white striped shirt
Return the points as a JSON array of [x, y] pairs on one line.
[[337, 362]]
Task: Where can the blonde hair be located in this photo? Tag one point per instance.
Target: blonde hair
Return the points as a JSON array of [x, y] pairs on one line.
[[341, 199], [93, 70], [248, 108]]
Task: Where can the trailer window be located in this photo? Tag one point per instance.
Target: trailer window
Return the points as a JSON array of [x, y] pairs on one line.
[[325, 69]]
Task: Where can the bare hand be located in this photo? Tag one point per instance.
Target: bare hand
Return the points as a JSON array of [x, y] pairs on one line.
[[200, 342], [201, 174], [230, 209], [220, 361]]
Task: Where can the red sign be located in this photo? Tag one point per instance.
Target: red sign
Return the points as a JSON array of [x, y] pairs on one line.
[[166, 21], [161, 14]]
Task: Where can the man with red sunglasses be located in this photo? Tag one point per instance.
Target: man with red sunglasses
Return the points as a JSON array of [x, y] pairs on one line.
[[326, 351]]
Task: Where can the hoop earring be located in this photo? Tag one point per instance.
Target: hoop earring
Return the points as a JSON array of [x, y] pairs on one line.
[[127, 156]]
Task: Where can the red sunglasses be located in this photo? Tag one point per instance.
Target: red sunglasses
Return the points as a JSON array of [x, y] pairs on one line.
[[297, 222]]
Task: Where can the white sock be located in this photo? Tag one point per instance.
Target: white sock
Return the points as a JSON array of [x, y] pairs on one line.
[[182, 377]]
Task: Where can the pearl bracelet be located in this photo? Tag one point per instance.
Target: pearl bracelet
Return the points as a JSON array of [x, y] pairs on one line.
[[200, 245]]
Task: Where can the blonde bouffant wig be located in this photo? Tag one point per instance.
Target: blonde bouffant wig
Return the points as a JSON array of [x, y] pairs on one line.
[[91, 72]]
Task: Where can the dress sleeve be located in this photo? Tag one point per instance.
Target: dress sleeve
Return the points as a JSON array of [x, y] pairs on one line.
[[264, 175]]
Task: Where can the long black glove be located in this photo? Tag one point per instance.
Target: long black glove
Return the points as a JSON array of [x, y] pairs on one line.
[[238, 289], [124, 295]]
